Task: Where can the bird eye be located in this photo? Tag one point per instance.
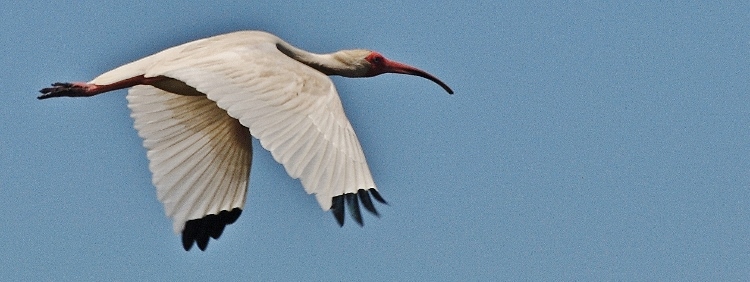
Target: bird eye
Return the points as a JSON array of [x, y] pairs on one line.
[[377, 59]]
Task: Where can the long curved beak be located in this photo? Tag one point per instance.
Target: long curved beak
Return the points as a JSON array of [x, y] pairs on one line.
[[396, 67]]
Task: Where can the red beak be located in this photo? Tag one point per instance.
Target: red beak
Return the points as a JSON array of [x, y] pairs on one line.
[[380, 65], [396, 67]]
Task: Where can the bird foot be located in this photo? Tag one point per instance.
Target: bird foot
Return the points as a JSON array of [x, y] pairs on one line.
[[65, 89]]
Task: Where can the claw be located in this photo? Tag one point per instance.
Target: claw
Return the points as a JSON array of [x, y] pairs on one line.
[[64, 89]]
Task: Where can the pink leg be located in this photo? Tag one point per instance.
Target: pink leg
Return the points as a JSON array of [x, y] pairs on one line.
[[82, 89]]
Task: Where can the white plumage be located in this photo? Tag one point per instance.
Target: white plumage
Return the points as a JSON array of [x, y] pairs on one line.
[[194, 103]]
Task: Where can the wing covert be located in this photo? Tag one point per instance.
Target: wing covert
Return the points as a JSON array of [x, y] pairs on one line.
[[199, 156], [291, 108]]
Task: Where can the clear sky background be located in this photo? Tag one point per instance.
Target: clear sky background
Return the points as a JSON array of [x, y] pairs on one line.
[[586, 140]]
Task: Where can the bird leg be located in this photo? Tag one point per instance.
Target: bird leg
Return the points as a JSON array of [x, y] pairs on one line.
[[82, 89]]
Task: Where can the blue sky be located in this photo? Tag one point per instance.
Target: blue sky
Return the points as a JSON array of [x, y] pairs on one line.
[[585, 141]]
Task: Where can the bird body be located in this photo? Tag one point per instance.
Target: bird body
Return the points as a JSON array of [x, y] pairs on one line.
[[193, 105]]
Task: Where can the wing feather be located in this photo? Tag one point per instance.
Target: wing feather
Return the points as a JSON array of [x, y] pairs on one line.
[[199, 156], [291, 108], [199, 147]]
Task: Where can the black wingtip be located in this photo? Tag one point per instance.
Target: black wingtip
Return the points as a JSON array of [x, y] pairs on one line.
[[352, 200], [364, 197], [337, 208], [377, 196], [353, 203], [188, 237], [199, 231]]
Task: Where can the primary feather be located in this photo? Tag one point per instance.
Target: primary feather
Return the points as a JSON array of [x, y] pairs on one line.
[[199, 146]]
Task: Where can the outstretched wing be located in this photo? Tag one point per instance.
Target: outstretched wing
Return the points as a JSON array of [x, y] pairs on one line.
[[200, 152], [200, 159], [292, 109]]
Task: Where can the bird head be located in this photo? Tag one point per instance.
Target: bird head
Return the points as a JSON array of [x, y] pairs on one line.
[[365, 63]]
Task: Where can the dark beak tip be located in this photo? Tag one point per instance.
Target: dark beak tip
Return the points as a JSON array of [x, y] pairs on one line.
[[444, 86], [405, 69]]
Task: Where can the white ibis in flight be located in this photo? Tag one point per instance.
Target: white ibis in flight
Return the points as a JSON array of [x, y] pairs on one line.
[[194, 103]]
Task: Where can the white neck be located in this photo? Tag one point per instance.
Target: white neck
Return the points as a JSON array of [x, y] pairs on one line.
[[344, 63]]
